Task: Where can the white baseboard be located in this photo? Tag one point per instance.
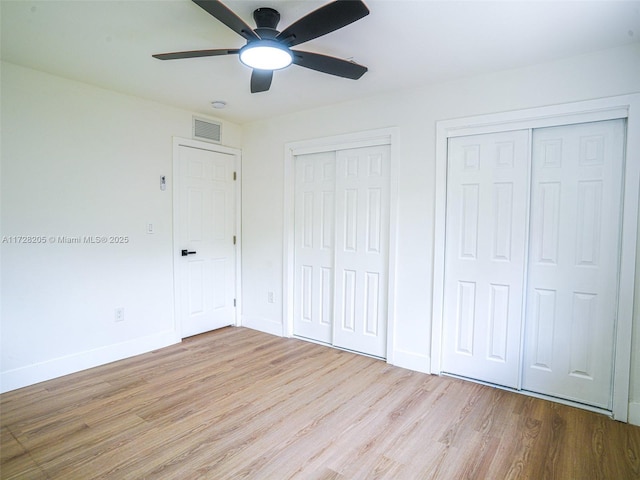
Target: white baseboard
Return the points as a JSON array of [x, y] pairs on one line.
[[57, 367], [263, 325], [412, 361], [634, 413]]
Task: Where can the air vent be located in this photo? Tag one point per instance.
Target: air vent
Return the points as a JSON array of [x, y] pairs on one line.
[[206, 130]]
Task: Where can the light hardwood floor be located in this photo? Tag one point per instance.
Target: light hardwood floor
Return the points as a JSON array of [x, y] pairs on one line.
[[237, 403]]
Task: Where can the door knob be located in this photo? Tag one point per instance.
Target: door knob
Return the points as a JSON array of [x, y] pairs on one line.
[[186, 252]]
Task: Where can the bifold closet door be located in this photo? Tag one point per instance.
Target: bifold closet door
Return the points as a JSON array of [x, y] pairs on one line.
[[314, 221], [574, 261], [486, 215], [341, 216]]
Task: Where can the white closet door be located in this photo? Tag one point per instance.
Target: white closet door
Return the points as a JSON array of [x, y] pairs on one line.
[[487, 203], [362, 249], [314, 245], [573, 262]]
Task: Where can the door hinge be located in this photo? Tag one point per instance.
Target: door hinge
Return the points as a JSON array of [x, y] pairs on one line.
[[234, 239], [235, 176], [234, 302]]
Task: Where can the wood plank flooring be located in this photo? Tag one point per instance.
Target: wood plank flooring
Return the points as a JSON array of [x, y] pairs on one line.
[[236, 403]]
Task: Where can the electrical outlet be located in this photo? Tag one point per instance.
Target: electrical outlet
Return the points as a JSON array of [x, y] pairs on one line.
[[270, 297], [120, 314]]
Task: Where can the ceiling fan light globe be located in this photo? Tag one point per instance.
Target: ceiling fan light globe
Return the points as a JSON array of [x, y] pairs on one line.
[[266, 55]]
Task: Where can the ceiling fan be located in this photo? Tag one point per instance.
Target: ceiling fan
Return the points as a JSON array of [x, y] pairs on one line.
[[267, 49]]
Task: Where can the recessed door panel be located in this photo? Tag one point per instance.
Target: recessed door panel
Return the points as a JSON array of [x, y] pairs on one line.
[[469, 210], [503, 221], [465, 318], [540, 337], [498, 323]]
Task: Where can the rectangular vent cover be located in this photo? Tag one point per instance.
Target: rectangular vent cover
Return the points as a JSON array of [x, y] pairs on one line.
[[206, 130]]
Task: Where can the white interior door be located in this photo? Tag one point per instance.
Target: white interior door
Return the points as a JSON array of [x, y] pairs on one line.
[[362, 250], [205, 223], [314, 239], [486, 215], [341, 210], [574, 261]]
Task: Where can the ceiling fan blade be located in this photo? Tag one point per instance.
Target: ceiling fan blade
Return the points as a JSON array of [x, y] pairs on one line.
[[324, 20], [195, 53], [228, 17], [261, 80], [330, 65]]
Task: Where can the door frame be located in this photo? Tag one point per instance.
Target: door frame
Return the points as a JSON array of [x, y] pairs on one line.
[[624, 106], [178, 143], [369, 138]]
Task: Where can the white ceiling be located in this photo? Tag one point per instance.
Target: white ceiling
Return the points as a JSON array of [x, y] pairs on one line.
[[404, 43]]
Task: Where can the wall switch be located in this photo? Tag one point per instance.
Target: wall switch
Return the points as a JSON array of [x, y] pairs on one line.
[[120, 314], [270, 297], [150, 228]]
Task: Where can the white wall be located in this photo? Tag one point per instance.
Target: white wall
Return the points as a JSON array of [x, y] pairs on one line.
[[415, 113], [79, 160]]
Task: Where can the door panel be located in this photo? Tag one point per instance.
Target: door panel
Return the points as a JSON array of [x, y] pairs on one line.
[[574, 261], [487, 202], [362, 249], [314, 221], [205, 225]]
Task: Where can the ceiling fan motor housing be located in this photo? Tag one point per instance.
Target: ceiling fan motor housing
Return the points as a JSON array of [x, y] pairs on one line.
[[266, 18]]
